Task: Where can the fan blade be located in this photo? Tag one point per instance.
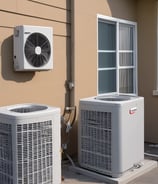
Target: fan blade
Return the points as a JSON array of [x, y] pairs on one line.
[[36, 39], [45, 44], [34, 60], [45, 56], [44, 59], [29, 44]]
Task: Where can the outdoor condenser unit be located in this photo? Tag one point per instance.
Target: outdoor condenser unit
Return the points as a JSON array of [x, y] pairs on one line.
[[33, 48], [30, 144], [111, 134]]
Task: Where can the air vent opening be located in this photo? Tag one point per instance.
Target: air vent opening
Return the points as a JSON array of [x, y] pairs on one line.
[[114, 98], [29, 108], [37, 50]]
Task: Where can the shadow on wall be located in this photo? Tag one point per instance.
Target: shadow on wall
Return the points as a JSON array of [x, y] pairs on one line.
[[122, 9], [7, 68]]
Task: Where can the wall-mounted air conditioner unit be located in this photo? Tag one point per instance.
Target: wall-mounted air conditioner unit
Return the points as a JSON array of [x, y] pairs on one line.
[[30, 144], [111, 134], [33, 48]]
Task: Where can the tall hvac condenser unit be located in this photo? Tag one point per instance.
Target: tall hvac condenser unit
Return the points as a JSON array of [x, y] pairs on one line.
[[111, 134]]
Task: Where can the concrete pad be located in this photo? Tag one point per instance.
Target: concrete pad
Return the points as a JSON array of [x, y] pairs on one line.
[[130, 175]]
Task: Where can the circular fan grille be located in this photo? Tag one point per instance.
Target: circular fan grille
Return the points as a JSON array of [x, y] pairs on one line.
[[37, 49]]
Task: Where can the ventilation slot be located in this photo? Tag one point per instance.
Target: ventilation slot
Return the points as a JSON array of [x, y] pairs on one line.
[[6, 161], [96, 140], [34, 148]]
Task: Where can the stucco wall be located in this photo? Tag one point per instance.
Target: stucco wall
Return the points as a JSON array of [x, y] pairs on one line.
[[81, 51], [147, 51], [85, 41], [38, 87], [144, 12]]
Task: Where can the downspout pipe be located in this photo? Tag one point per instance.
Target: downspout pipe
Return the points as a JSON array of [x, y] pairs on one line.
[[69, 115], [69, 84]]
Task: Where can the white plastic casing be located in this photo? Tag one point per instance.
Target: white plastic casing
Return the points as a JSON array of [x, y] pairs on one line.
[[21, 33]]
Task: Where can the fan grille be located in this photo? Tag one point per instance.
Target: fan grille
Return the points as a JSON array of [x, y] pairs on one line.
[[37, 50], [95, 141], [34, 153]]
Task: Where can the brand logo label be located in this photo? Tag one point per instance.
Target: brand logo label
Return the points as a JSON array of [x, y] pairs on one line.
[[133, 110], [27, 32]]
